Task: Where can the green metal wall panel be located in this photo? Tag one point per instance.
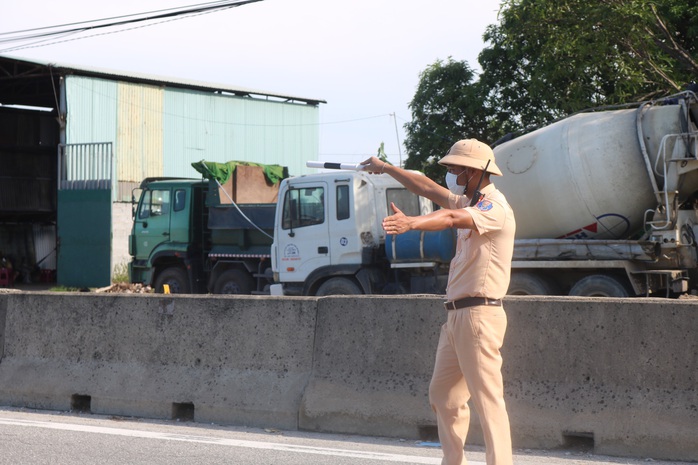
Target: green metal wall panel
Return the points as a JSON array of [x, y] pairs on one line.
[[220, 128], [92, 110], [84, 238]]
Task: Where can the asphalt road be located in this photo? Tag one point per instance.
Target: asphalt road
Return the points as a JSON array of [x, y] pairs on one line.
[[29, 437]]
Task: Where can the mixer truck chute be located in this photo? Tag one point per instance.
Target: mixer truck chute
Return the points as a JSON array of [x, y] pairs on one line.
[[606, 201]]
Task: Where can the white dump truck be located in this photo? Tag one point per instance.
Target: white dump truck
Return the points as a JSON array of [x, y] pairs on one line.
[[606, 202], [329, 239]]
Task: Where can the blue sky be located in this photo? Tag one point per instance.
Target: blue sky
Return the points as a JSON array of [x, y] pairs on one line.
[[362, 56]]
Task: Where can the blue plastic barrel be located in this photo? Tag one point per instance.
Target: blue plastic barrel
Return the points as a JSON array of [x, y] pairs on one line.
[[427, 246]]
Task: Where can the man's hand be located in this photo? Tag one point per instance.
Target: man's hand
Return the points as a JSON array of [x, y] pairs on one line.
[[374, 165], [397, 223]]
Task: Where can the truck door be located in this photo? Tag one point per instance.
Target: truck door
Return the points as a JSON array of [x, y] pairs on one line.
[[345, 244], [152, 223], [303, 242]]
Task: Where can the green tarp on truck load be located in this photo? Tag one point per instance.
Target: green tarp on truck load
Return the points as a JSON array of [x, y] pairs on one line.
[[223, 171]]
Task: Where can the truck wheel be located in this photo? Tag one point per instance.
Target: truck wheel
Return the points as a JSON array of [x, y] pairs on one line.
[[233, 282], [526, 283], [339, 286], [599, 285], [174, 277]]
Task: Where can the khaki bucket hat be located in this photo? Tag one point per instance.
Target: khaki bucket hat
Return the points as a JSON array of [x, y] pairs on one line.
[[471, 153]]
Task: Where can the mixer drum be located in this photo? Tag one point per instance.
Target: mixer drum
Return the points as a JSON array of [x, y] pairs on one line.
[[585, 176]]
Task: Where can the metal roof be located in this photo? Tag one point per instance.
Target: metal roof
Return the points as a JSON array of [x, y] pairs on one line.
[[24, 69]]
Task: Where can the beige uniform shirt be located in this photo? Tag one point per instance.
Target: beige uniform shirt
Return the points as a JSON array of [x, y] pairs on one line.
[[481, 266]]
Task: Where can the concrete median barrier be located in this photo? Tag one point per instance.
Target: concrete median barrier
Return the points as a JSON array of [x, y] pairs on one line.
[[616, 375], [226, 360]]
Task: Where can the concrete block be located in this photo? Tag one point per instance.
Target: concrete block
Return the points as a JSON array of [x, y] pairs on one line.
[[620, 372], [619, 375], [236, 360], [372, 365]]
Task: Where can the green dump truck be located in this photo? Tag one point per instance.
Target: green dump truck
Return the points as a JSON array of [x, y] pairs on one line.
[[206, 235]]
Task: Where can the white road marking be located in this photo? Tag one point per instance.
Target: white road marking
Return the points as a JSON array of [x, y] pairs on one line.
[[228, 442]]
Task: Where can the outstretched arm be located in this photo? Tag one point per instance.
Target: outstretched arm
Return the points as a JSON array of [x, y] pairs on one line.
[[399, 223], [413, 181]]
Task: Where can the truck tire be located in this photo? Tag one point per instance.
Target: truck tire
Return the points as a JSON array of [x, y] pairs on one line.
[[527, 283], [599, 285], [339, 286], [233, 282], [176, 278]]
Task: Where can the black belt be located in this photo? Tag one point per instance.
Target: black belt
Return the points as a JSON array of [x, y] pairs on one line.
[[471, 302]]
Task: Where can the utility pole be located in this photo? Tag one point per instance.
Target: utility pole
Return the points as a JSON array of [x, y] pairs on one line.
[[397, 136]]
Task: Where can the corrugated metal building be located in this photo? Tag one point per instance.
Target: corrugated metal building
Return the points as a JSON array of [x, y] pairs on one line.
[[95, 129]]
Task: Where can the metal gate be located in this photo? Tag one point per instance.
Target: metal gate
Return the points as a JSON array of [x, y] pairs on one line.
[[84, 228]]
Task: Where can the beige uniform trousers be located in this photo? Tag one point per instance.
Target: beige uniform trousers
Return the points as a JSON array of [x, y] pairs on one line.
[[468, 367]]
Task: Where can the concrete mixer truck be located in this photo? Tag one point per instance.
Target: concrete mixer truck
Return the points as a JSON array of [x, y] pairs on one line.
[[606, 202]]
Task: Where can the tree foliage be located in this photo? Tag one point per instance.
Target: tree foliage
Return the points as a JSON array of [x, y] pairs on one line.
[[447, 106], [550, 58]]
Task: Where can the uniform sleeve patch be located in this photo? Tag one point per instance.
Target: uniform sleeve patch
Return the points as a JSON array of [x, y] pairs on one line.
[[484, 205]]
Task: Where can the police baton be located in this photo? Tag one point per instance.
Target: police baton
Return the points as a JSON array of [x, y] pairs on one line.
[[334, 166]]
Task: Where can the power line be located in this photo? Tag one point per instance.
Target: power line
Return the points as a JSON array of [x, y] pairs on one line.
[[52, 32], [113, 18]]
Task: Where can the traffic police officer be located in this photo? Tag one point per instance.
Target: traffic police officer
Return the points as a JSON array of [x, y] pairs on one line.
[[468, 360]]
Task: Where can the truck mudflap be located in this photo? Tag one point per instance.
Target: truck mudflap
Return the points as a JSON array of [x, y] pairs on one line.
[[276, 289], [140, 272]]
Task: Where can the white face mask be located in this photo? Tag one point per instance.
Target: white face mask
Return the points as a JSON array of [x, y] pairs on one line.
[[452, 184]]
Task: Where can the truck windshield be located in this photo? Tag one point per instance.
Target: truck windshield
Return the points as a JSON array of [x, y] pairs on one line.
[[155, 202], [303, 207]]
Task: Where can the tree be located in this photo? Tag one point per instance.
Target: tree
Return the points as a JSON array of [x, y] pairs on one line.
[[447, 106], [547, 59], [550, 58]]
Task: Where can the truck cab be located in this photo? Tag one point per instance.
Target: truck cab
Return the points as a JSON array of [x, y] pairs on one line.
[[165, 240], [328, 236]]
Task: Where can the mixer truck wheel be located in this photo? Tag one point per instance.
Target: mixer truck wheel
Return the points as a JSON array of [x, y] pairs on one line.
[[176, 278], [526, 283], [339, 286], [233, 282], [599, 285]]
